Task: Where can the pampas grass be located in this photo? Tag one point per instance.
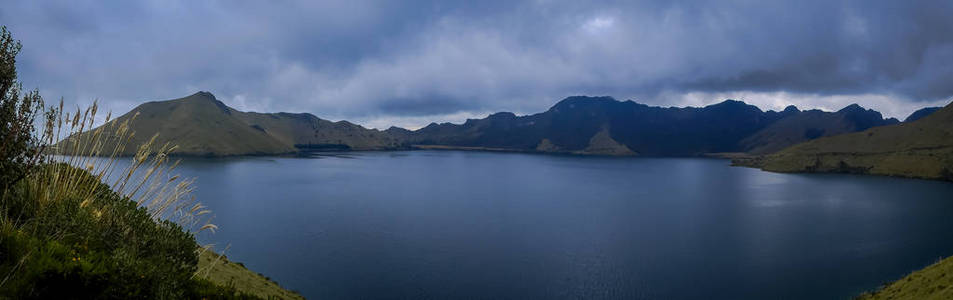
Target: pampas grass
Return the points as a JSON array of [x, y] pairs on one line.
[[149, 178]]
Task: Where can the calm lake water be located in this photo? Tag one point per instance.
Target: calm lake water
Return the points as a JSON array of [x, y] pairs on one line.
[[444, 224]]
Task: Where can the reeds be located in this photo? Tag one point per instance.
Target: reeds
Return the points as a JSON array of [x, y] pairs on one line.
[[77, 166], [147, 178]]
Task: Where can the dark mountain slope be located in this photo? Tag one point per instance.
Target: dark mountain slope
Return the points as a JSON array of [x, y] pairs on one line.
[[922, 149], [808, 125], [570, 126], [920, 113]]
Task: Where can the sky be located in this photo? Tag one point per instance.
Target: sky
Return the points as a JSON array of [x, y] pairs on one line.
[[409, 63]]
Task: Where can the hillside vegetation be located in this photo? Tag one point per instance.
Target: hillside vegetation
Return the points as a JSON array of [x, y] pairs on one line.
[[204, 126], [801, 126], [201, 125], [932, 282], [67, 234], [919, 149]]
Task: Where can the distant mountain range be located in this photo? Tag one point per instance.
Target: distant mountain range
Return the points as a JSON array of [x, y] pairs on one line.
[[202, 125], [603, 125]]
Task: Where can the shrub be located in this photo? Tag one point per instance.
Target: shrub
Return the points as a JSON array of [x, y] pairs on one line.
[[110, 248], [64, 233], [20, 147]]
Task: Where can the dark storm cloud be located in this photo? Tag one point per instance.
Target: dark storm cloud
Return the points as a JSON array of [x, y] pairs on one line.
[[385, 60]]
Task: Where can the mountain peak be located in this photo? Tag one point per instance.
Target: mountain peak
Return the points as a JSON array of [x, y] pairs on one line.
[[920, 113], [791, 109], [852, 108], [502, 115], [397, 129], [203, 95], [573, 101], [734, 105], [203, 98], [732, 102]]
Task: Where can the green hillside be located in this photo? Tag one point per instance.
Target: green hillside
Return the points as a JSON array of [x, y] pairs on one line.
[[222, 272], [802, 126], [304, 131], [933, 282], [201, 125], [919, 149]]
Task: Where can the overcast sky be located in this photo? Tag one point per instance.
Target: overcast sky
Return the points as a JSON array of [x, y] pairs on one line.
[[407, 63]]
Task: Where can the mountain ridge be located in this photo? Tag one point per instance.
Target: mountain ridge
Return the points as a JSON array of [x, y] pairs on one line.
[[569, 125], [201, 125], [919, 149]]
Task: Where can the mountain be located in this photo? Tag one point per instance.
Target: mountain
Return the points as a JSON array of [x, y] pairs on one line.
[[801, 126], [305, 131], [603, 125], [202, 125], [920, 113], [921, 149]]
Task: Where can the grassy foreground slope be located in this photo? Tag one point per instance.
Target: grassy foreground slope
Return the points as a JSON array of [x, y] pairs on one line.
[[91, 242], [222, 272], [64, 234], [933, 282], [920, 149], [71, 230]]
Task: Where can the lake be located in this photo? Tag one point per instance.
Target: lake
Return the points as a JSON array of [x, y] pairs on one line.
[[447, 224]]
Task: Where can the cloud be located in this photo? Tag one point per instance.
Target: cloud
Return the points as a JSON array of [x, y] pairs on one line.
[[405, 62]]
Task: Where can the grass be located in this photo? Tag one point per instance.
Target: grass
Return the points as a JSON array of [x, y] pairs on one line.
[[921, 149], [65, 232], [200, 125], [219, 270], [932, 282], [77, 224]]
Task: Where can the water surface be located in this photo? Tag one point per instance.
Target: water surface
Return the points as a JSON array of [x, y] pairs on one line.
[[444, 224]]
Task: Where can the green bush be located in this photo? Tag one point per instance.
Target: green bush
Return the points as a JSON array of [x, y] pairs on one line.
[[64, 234], [20, 147], [110, 248]]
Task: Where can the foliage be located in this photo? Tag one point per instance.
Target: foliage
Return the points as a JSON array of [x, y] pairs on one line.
[[108, 249], [919, 149], [20, 148], [932, 282], [64, 233]]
